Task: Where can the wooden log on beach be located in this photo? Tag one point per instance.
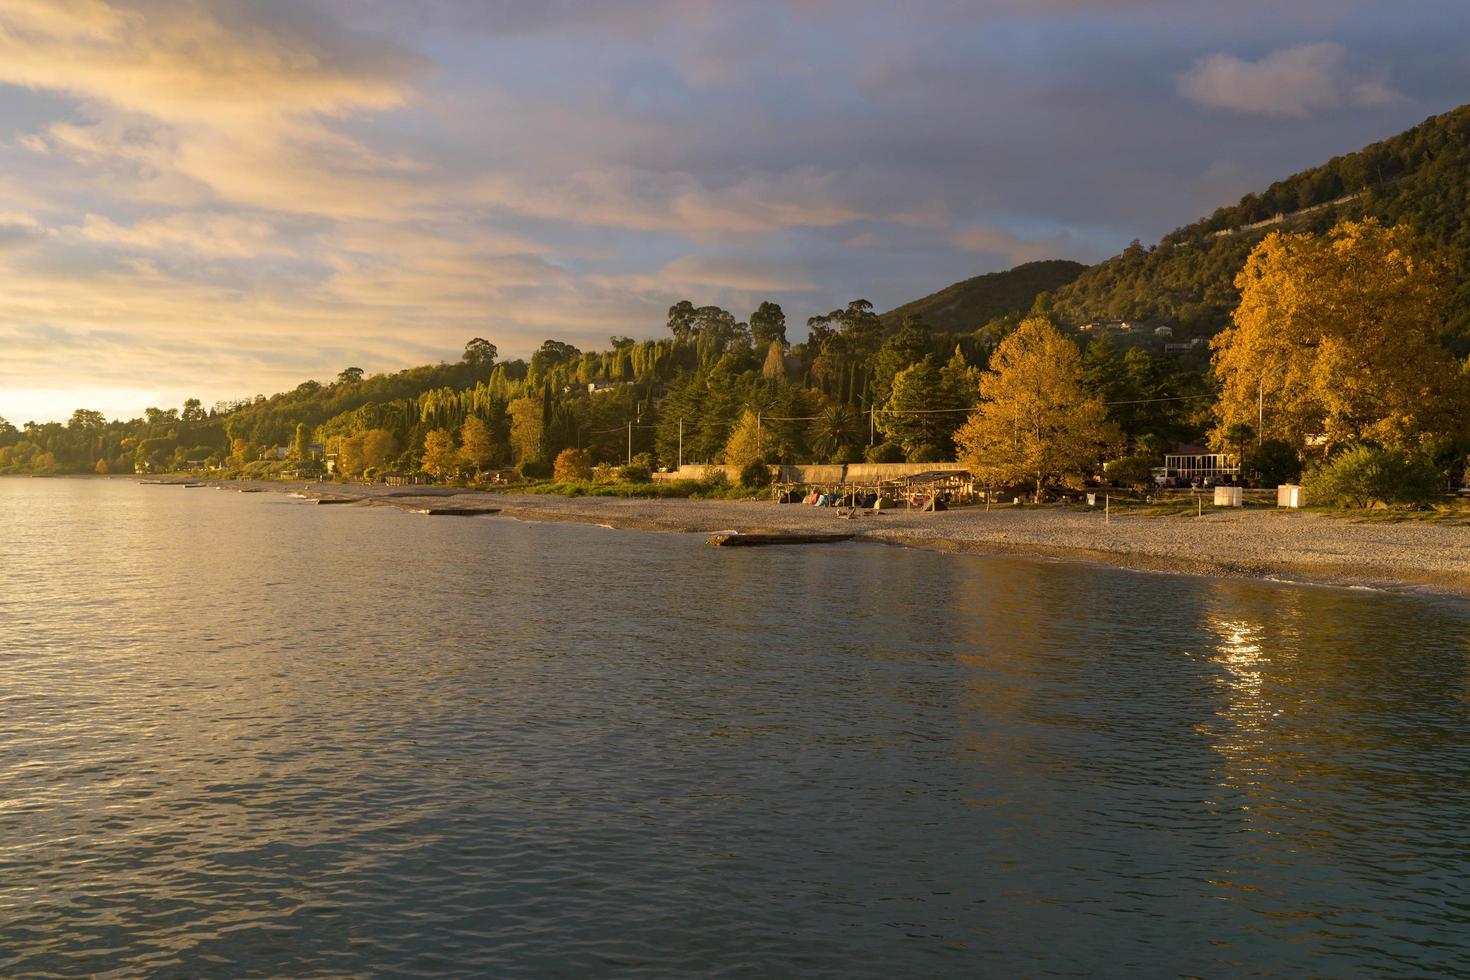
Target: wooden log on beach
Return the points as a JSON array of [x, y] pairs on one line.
[[734, 539], [335, 500], [456, 511]]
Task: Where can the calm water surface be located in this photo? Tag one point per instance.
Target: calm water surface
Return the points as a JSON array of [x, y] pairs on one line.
[[241, 736]]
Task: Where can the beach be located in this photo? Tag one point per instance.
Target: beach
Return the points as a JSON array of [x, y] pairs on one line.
[[1301, 546]]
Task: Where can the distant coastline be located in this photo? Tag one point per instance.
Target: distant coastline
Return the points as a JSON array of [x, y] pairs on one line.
[[1263, 545]]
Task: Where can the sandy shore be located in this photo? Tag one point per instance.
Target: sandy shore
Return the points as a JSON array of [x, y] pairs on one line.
[[1261, 544]]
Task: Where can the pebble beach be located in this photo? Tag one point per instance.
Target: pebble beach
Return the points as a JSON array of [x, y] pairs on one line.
[[1302, 546]]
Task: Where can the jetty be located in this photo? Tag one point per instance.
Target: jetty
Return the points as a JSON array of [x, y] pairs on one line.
[[736, 539]]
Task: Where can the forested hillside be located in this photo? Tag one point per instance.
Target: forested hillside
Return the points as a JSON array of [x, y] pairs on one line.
[[1420, 178], [969, 305]]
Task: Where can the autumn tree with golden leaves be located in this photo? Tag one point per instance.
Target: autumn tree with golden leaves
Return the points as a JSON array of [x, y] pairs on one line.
[[1037, 422], [1337, 340], [441, 458]]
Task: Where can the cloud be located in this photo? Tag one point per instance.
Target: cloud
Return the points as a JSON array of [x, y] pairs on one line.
[[18, 229], [751, 275], [1288, 83], [1015, 249], [237, 99], [197, 61], [676, 202], [221, 235]]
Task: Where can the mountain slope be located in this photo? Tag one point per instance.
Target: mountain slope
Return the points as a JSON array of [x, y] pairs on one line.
[[1420, 177], [970, 304]]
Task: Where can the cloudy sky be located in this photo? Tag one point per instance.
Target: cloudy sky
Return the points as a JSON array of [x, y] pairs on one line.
[[223, 197]]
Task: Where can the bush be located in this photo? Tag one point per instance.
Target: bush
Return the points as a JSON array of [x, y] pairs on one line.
[[604, 473], [926, 452], [572, 465], [713, 483], [536, 469], [1366, 475], [1274, 462], [755, 476], [1130, 471], [635, 473], [884, 452]]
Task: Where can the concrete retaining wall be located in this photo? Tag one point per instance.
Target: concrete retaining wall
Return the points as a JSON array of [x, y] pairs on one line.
[[862, 473]]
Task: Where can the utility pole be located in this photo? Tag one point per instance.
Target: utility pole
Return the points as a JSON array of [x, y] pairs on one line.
[[681, 444], [1260, 408], [630, 442], [872, 420]]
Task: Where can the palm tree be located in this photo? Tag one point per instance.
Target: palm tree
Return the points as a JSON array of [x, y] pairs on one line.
[[834, 428]]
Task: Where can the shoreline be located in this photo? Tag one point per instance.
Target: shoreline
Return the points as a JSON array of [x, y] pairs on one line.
[[1279, 546]]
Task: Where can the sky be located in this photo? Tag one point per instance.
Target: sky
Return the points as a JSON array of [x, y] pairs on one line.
[[219, 198]]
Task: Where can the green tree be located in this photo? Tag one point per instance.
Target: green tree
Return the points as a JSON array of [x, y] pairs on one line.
[[85, 420], [1362, 476], [835, 430], [910, 345], [922, 412], [526, 430], [301, 450], [768, 326], [480, 354], [1274, 462], [1238, 436]]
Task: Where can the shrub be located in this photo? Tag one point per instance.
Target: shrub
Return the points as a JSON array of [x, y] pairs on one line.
[[635, 473], [572, 464], [755, 476], [1366, 475], [604, 473], [926, 452], [536, 469], [713, 482], [1130, 471], [884, 452], [1274, 462]]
